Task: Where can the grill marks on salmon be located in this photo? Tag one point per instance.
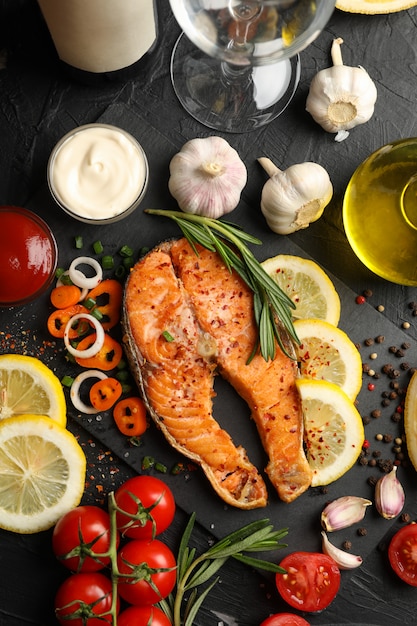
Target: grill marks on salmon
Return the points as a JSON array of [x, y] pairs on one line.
[[177, 381], [208, 311], [223, 306]]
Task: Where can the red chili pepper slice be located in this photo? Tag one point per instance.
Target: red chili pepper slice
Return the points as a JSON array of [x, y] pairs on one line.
[[108, 296], [105, 393], [58, 320], [130, 416], [106, 359]]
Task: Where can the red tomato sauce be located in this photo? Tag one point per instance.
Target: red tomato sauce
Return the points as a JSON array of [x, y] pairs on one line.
[[28, 256]]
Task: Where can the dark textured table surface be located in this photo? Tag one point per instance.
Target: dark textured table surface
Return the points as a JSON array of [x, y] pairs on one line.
[[39, 103]]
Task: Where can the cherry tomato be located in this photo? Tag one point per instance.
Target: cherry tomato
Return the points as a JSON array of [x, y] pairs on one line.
[[284, 619], [84, 596], [402, 554], [151, 562], [143, 616], [151, 500], [311, 582], [80, 532]]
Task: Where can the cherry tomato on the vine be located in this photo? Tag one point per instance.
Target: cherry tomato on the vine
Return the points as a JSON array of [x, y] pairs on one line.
[[87, 598], [284, 619], [402, 554], [143, 616], [153, 563], [311, 582], [151, 500], [81, 534]]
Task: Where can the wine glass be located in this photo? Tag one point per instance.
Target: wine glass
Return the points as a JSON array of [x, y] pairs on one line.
[[236, 65]]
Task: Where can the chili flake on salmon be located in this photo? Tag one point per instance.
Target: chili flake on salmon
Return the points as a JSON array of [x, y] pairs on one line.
[[188, 318]]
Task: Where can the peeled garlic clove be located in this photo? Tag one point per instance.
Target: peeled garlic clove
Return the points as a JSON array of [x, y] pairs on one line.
[[344, 512], [389, 495], [344, 560]]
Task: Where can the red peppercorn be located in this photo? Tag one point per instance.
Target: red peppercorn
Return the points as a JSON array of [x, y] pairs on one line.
[[360, 300], [365, 444], [371, 386]]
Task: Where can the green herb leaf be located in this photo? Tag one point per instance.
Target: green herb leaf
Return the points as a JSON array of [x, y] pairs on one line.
[[272, 306]]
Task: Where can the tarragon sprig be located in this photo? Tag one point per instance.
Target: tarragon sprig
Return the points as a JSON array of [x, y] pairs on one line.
[[194, 571], [272, 306]]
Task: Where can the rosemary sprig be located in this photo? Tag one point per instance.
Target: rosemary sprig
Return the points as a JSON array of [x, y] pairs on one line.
[[192, 571], [272, 306]]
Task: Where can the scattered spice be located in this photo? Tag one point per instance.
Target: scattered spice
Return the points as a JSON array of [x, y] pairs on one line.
[[360, 299]]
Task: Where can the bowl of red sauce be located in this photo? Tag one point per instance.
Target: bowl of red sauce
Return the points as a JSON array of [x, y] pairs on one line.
[[28, 256]]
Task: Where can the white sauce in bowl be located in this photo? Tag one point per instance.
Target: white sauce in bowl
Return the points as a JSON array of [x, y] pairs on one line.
[[98, 172]]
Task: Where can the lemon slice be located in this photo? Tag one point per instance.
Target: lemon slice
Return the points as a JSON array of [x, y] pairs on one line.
[[326, 353], [307, 285], [29, 386], [410, 419], [42, 473], [333, 430], [373, 7]]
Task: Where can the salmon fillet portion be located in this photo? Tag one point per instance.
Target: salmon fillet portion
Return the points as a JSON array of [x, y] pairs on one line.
[[223, 305], [176, 374]]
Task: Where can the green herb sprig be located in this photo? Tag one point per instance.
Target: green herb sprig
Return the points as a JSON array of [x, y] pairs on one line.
[[194, 571], [272, 306]]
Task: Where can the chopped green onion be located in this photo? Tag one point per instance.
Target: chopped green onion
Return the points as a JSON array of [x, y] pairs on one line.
[[126, 251], [120, 271], [59, 271], [79, 242], [97, 314], [122, 375], [67, 381], [66, 280], [148, 462], [128, 262], [89, 303], [167, 336], [160, 467], [126, 388], [98, 247], [107, 262]]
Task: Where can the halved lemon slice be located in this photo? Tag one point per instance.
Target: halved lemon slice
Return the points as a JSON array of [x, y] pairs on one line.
[[410, 419], [308, 286], [326, 353], [29, 386], [333, 430], [42, 473], [373, 7]]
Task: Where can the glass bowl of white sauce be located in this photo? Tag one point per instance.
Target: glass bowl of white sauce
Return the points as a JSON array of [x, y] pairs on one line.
[[98, 173]]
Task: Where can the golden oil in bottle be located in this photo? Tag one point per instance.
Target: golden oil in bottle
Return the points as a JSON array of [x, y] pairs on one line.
[[380, 212]]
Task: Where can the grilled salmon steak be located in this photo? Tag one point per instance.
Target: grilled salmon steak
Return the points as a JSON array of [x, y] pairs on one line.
[[187, 317]]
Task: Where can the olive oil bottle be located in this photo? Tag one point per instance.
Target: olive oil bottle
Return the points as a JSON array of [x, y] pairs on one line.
[[380, 212]]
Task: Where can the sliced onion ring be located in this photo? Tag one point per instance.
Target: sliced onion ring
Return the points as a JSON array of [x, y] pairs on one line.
[[79, 278], [98, 343], [75, 390], [84, 290]]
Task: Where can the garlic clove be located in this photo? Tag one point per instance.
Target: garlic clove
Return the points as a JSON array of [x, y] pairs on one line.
[[389, 495], [344, 512], [343, 559]]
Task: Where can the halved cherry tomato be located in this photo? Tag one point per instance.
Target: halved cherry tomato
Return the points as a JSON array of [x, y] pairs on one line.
[[105, 393], [106, 359], [284, 619], [58, 320], [65, 296], [402, 554], [80, 536], [154, 566], [143, 616], [152, 503], [108, 296], [311, 582], [130, 416], [87, 598]]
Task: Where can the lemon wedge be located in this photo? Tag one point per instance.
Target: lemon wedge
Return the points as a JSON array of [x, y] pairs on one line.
[[42, 473], [333, 430], [29, 386], [373, 7], [327, 353], [410, 419], [308, 286]]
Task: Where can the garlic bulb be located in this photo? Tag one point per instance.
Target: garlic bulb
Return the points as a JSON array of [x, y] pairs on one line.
[[344, 560], [341, 97], [207, 177], [293, 198]]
